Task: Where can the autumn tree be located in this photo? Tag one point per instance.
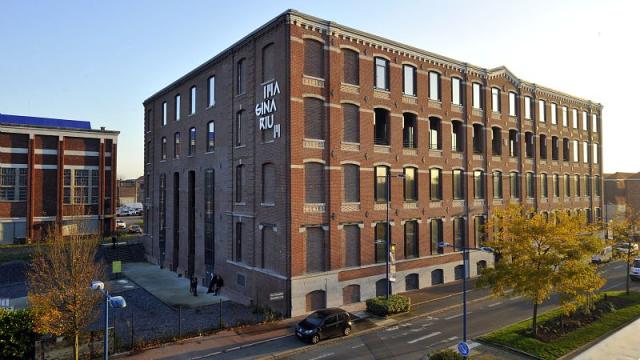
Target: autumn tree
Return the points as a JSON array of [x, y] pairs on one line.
[[59, 282], [623, 230], [539, 257]]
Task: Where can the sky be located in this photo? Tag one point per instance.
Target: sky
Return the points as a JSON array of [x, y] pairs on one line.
[[99, 60]]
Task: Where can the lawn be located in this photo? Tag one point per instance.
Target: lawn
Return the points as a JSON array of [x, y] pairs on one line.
[[512, 335]]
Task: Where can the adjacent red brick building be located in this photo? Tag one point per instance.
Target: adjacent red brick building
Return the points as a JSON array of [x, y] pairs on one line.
[[621, 194], [54, 171], [270, 164]]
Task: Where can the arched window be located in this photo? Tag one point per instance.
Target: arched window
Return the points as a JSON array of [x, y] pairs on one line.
[[314, 118], [268, 62], [313, 58], [458, 272], [351, 183], [351, 294], [351, 67], [381, 287], [480, 266], [437, 277], [314, 183], [411, 282], [316, 300], [211, 136]]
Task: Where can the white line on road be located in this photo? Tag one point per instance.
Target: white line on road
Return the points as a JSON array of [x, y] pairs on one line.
[[240, 347], [322, 356], [357, 346], [423, 337], [494, 304], [618, 267], [396, 327], [452, 338], [456, 316], [516, 297]]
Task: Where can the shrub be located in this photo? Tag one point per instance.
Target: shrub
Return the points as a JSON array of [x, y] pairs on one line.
[[446, 354], [395, 304], [17, 337]]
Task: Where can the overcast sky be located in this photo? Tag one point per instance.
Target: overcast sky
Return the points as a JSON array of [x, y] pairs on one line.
[[98, 60]]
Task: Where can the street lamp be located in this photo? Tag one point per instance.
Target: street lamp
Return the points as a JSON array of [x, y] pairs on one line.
[[116, 302], [388, 240], [465, 262]]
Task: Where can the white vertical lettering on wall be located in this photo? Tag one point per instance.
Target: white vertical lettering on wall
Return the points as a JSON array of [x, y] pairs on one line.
[[265, 110]]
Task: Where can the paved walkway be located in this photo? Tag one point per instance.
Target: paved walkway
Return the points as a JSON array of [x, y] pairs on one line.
[[621, 345], [167, 286]]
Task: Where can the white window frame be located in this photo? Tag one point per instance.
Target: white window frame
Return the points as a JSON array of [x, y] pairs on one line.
[[554, 114], [13, 184], [513, 104], [527, 107], [72, 194], [476, 89], [456, 91]]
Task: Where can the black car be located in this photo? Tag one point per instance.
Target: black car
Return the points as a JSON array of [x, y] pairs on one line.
[[324, 324]]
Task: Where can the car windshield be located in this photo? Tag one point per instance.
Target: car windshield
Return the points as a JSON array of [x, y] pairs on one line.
[[314, 319], [636, 263]]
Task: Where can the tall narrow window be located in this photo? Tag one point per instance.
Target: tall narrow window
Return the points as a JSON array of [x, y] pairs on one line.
[[543, 146], [409, 80], [458, 185], [595, 157], [238, 247], [314, 118], [351, 67], [496, 141], [513, 104], [351, 183], [164, 113], [176, 145], [239, 183], [478, 184], [13, 183], [567, 185], [585, 152], [209, 218], [457, 136], [351, 126], [381, 173], [268, 62], [163, 149], [380, 242], [410, 185], [576, 150], [528, 144], [193, 97], [565, 116], [478, 138], [594, 123], [585, 121], [576, 185], [497, 185], [542, 109], [555, 148], [554, 114], [192, 141], [314, 183], [381, 127], [574, 118], [480, 233], [531, 185], [459, 238], [513, 143], [556, 185], [411, 239], [544, 186], [268, 183], [409, 131], [382, 73], [211, 136], [456, 91], [477, 96], [514, 185], [597, 185], [240, 77], [211, 91], [351, 245], [527, 107], [177, 107], [434, 86], [565, 149], [239, 128], [436, 236], [435, 131], [495, 99], [435, 185], [314, 58], [588, 185]]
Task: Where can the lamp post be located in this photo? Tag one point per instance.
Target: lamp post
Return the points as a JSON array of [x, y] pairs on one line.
[[388, 240], [115, 302]]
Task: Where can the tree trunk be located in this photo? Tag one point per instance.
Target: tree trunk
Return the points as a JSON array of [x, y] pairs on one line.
[[534, 326], [627, 279], [76, 346]]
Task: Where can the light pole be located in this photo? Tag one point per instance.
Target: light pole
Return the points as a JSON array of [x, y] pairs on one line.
[[116, 302], [388, 240]]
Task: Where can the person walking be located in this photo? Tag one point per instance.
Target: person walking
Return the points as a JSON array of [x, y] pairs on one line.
[[194, 285], [219, 284], [212, 284]]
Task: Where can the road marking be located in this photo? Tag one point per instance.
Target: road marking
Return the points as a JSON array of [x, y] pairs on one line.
[[427, 324], [452, 338], [494, 304], [240, 347], [423, 337], [357, 346], [618, 267], [396, 327], [516, 297], [322, 356], [473, 345], [456, 316]]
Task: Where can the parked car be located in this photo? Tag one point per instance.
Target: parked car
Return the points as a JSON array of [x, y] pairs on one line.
[[135, 229], [324, 324], [603, 256], [624, 247], [634, 272], [120, 224]]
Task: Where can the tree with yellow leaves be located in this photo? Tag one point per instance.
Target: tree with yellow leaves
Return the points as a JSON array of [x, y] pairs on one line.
[[59, 282], [623, 231], [539, 257]]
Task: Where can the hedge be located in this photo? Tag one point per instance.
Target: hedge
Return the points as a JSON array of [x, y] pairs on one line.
[[17, 337], [446, 354], [395, 304]]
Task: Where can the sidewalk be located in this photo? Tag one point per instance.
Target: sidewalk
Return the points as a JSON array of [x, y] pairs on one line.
[[623, 344]]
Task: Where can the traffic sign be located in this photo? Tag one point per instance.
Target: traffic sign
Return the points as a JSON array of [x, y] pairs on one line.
[[463, 348]]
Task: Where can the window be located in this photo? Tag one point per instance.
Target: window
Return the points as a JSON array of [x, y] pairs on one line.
[[192, 108], [556, 185], [239, 183], [594, 123], [351, 183], [176, 145], [409, 80], [456, 91], [565, 149], [351, 67], [240, 77], [436, 236], [435, 131], [409, 132], [513, 104], [576, 150], [528, 144], [411, 282], [595, 157], [380, 242], [437, 277], [351, 245], [177, 107], [458, 272], [588, 183], [314, 183], [479, 230], [513, 143], [567, 185], [314, 58], [164, 113], [598, 185], [268, 62], [458, 185], [585, 152], [163, 148], [457, 136], [459, 239], [238, 247], [554, 114], [495, 99], [574, 118], [542, 110], [381, 188], [382, 127], [410, 185], [544, 185], [316, 250], [435, 186], [565, 116], [268, 183], [80, 186], [496, 141], [555, 148], [527, 107], [411, 239], [314, 118], [211, 136], [478, 184], [497, 185], [239, 129], [531, 185], [211, 91], [478, 137], [13, 184], [585, 121], [351, 119], [543, 146], [382, 73], [209, 217], [434, 86], [576, 185], [514, 185], [192, 141], [477, 96]]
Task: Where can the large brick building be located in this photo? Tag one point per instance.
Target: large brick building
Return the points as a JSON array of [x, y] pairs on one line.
[[54, 171], [268, 164]]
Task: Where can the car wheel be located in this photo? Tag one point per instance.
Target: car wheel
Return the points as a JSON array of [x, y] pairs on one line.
[[346, 331], [315, 339]]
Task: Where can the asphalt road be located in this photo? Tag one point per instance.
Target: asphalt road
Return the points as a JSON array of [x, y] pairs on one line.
[[414, 338]]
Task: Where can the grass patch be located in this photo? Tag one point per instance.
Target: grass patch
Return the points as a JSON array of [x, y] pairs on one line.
[[513, 335]]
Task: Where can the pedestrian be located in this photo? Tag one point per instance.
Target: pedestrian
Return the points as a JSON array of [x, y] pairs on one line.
[[212, 283], [113, 241], [194, 285], [219, 284]]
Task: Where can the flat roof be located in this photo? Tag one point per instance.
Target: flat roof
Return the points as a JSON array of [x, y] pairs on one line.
[[43, 122]]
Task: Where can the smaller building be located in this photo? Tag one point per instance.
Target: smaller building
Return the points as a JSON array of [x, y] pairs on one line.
[[130, 191], [621, 192], [54, 172]]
